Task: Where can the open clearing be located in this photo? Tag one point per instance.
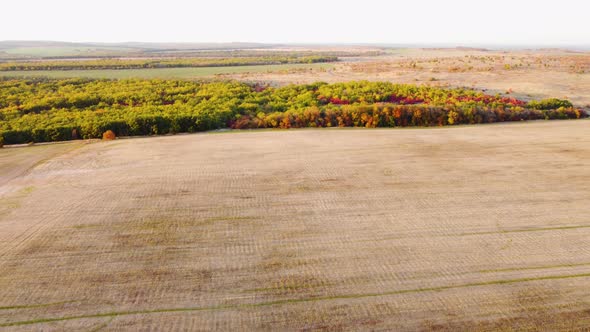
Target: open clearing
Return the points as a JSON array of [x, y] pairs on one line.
[[474, 227], [529, 74]]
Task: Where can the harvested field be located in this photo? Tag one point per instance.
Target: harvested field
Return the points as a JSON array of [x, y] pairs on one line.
[[471, 227]]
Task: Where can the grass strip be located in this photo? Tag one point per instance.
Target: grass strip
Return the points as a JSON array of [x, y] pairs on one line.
[[524, 230], [41, 305], [533, 268]]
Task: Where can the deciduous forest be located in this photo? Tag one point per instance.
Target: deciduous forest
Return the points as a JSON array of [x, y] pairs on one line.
[[43, 110]]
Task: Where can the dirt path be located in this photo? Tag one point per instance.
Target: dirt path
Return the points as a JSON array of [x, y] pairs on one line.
[[15, 162], [476, 227]]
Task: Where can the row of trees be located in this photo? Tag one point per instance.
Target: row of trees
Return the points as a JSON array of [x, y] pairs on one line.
[[160, 63], [387, 115], [549, 104], [51, 110]]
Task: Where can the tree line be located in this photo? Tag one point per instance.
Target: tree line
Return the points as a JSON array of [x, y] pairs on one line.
[[41, 110], [97, 64]]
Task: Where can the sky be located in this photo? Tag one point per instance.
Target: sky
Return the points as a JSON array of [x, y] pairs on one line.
[[459, 22]]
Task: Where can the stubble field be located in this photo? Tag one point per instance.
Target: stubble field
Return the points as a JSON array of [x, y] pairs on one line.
[[472, 227]]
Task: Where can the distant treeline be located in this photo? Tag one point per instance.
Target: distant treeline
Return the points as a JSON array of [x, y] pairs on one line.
[[160, 63], [187, 54], [261, 53], [50, 110]]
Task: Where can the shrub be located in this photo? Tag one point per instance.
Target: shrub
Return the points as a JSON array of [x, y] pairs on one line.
[[549, 104], [453, 117], [17, 136], [108, 135]]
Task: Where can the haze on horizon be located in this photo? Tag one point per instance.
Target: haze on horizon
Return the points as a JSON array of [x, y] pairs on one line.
[[501, 22]]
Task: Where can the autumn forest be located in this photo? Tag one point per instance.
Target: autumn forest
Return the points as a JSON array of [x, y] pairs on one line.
[[43, 110]]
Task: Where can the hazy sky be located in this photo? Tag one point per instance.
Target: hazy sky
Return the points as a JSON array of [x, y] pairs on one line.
[[302, 21]]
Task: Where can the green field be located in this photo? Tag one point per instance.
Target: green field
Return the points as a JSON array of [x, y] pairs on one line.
[[166, 73]]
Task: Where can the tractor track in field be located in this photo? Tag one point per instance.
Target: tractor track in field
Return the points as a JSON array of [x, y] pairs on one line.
[[281, 302]]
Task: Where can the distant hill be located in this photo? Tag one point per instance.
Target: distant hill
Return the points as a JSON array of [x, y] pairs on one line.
[[17, 49], [11, 50], [7, 44], [189, 46]]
